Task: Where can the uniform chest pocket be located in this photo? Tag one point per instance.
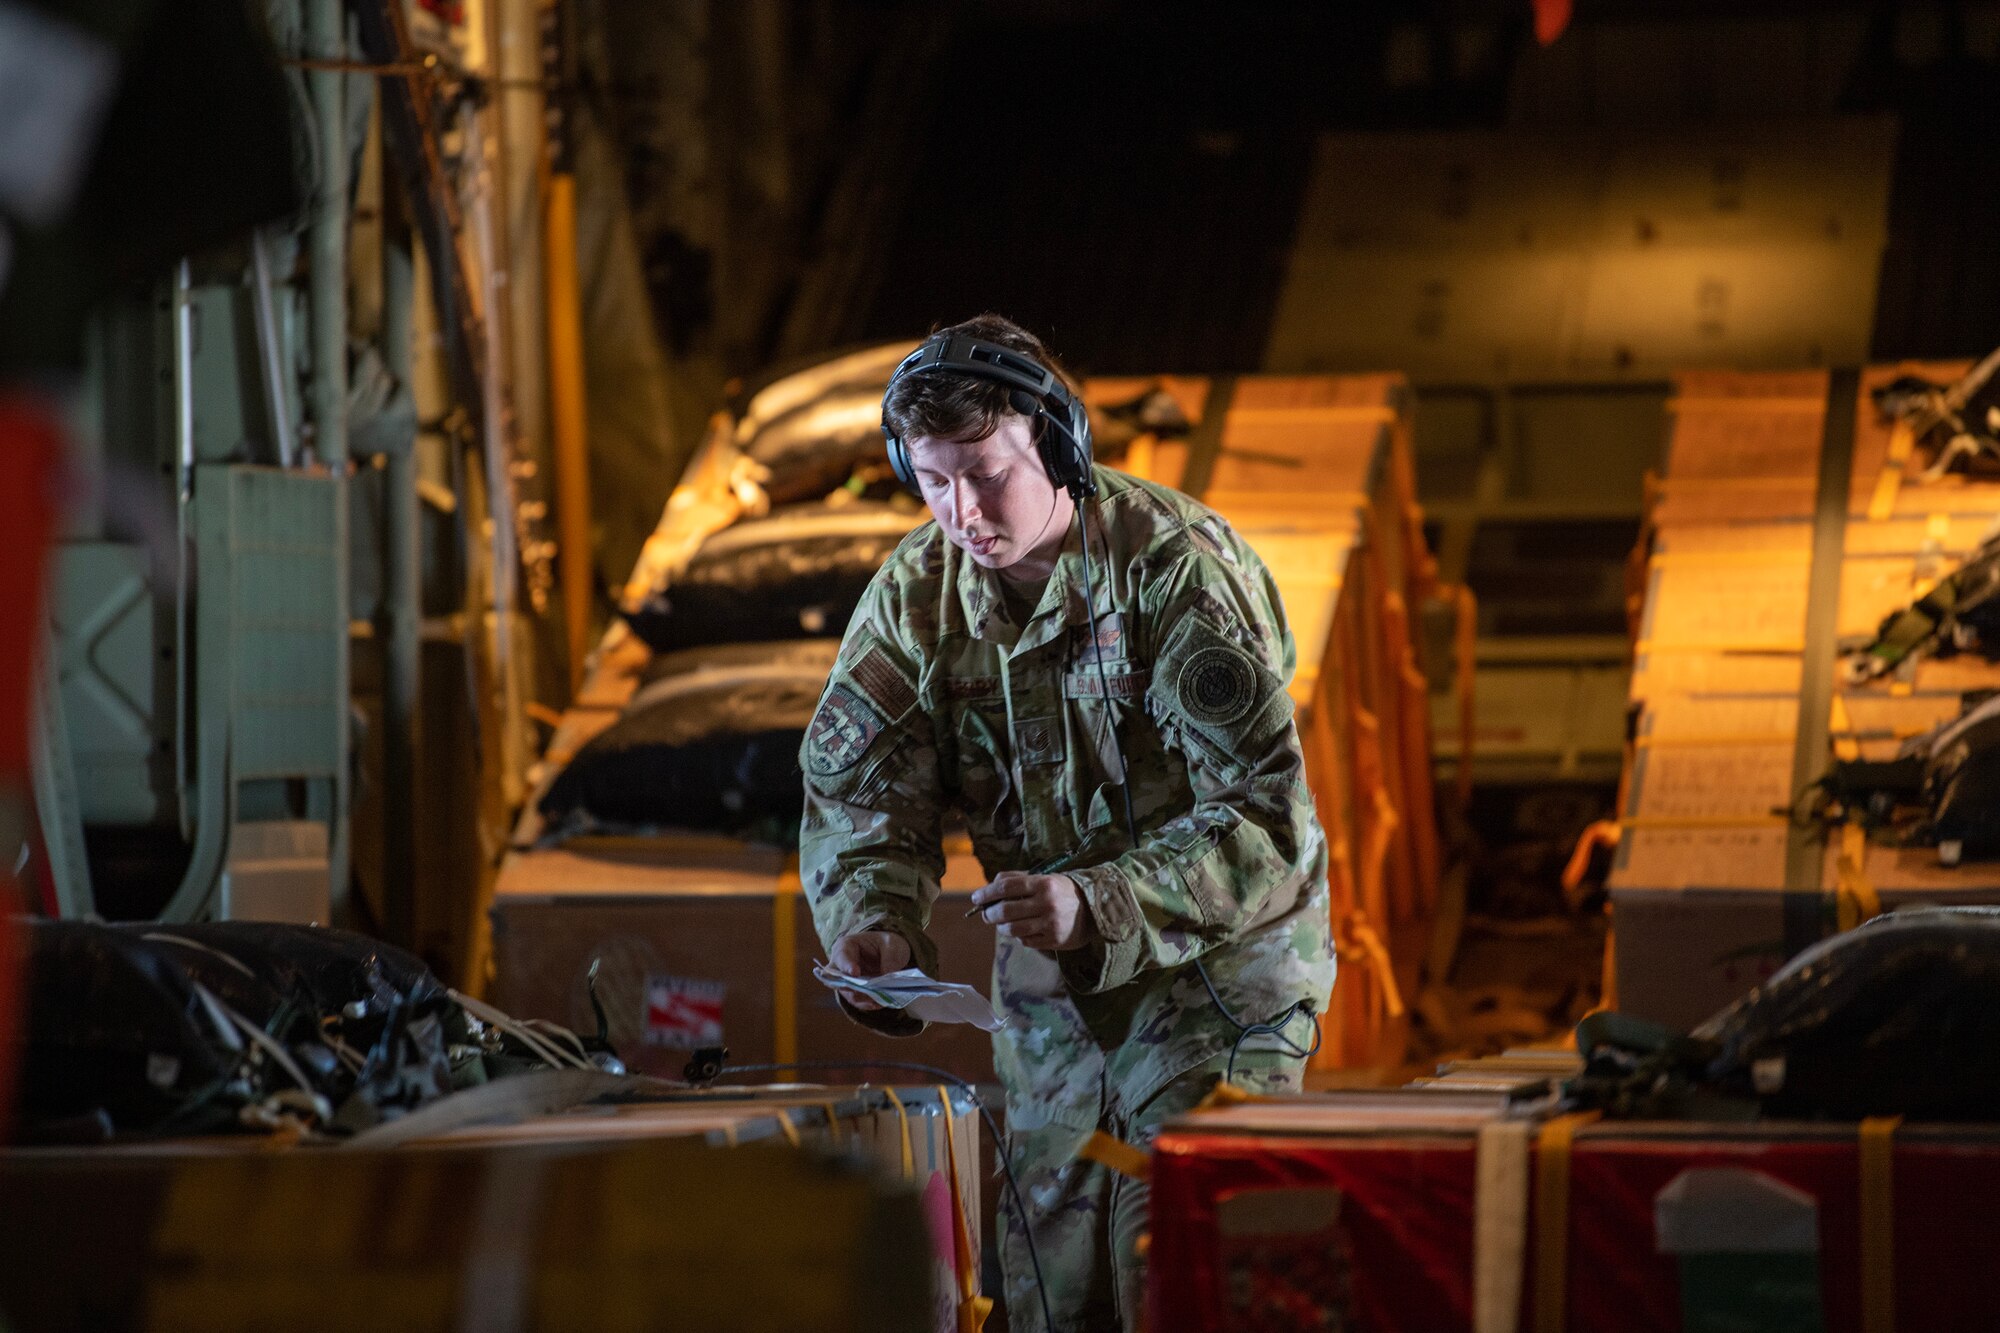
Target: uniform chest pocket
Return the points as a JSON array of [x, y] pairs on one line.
[[983, 771]]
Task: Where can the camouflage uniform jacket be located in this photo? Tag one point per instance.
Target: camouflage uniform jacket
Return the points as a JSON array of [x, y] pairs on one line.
[[938, 700]]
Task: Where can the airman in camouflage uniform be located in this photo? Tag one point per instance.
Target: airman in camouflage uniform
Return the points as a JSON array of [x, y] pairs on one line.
[[940, 701]]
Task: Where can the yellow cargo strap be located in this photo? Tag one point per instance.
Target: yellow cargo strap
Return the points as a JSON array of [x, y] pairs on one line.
[[1722, 647], [1745, 403], [1362, 412], [1841, 726], [1316, 502], [791, 1130], [972, 1307], [1552, 1147], [1878, 1224], [1855, 899], [1798, 483], [832, 1123], [1117, 1154], [1769, 556], [1890, 479], [784, 964], [903, 1123], [1701, 821], [1227, 1094], [1465, 667], [1601, 833]]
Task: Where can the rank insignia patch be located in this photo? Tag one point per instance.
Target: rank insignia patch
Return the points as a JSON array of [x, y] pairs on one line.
[[842, 730], [1217, 685], [1038, 740]]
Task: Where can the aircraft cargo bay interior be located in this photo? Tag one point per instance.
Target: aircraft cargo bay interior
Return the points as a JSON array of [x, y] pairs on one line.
[[868, 665]]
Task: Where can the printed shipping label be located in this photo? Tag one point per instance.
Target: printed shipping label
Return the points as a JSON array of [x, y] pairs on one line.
[[683, 1013]]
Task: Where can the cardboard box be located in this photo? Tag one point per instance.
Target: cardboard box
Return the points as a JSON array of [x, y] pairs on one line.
[[650, 911]]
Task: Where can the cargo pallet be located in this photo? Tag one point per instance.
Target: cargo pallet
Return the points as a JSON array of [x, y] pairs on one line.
[[1790, 518]]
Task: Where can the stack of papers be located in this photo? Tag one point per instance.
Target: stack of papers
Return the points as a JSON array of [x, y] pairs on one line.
[[925, 997]]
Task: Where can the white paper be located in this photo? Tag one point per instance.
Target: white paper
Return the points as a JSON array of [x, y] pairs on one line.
[[922, 996]]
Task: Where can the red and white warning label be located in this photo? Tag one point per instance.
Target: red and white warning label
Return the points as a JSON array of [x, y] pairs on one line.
[[682, 1012]]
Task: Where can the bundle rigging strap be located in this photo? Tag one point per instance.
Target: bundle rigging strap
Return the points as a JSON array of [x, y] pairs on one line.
[[1552, 1153], [1878, 1224]]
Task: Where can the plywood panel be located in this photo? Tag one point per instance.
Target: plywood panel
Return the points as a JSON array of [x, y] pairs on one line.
[[1522, 254]]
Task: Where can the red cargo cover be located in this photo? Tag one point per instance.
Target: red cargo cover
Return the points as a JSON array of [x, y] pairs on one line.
[[1246, 1236]]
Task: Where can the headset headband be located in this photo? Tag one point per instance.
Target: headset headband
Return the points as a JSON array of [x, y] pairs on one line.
[[1034, 390]]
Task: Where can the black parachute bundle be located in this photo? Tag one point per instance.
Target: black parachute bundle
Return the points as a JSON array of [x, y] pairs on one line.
[[117, 1028], [814, 450], [711, 750], [1900, 1016], [198, 1028], [1941, 790], [815, 430], [796, 574], [1957, 425], [809, 430], [810, 655], [1961, 614]]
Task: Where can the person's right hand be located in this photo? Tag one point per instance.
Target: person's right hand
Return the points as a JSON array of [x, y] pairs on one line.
[[869, 953]]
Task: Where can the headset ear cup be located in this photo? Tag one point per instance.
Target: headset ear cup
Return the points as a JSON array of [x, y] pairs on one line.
[[1085, 447], [899, 462], [1050, 447]]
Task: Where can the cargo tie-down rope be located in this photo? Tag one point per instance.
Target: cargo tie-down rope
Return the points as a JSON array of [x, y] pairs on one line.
[[973, 1308], [993, 1130]]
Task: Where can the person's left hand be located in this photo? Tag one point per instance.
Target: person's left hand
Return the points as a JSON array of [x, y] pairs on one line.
[[1041, 911]]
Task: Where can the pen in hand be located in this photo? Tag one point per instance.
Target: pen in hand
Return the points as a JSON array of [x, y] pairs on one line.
[[1045, 868]]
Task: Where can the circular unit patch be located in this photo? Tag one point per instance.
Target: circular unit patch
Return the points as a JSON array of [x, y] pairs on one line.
[[1217, 685]]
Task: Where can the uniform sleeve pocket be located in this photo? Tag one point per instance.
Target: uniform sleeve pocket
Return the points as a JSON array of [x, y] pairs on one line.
[[1203, 872]]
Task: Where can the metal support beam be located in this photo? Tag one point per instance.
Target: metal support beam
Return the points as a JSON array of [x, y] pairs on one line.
[[565, 335], [1805, 850], [326, 40], [402, 612]]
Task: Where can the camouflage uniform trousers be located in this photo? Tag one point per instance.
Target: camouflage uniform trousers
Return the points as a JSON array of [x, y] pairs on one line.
[[1088, 1218]]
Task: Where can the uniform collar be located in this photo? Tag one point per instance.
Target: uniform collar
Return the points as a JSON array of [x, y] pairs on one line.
[[1062, 605]]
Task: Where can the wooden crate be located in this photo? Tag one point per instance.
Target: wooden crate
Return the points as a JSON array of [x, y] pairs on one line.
[[1316, 473], [1703, 907], [640, 1218], [711, 910]]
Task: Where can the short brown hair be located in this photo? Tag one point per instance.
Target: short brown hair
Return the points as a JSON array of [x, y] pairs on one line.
[[957, 408]]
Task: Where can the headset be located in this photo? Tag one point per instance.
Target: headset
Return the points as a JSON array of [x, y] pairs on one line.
[[1062, 425]]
